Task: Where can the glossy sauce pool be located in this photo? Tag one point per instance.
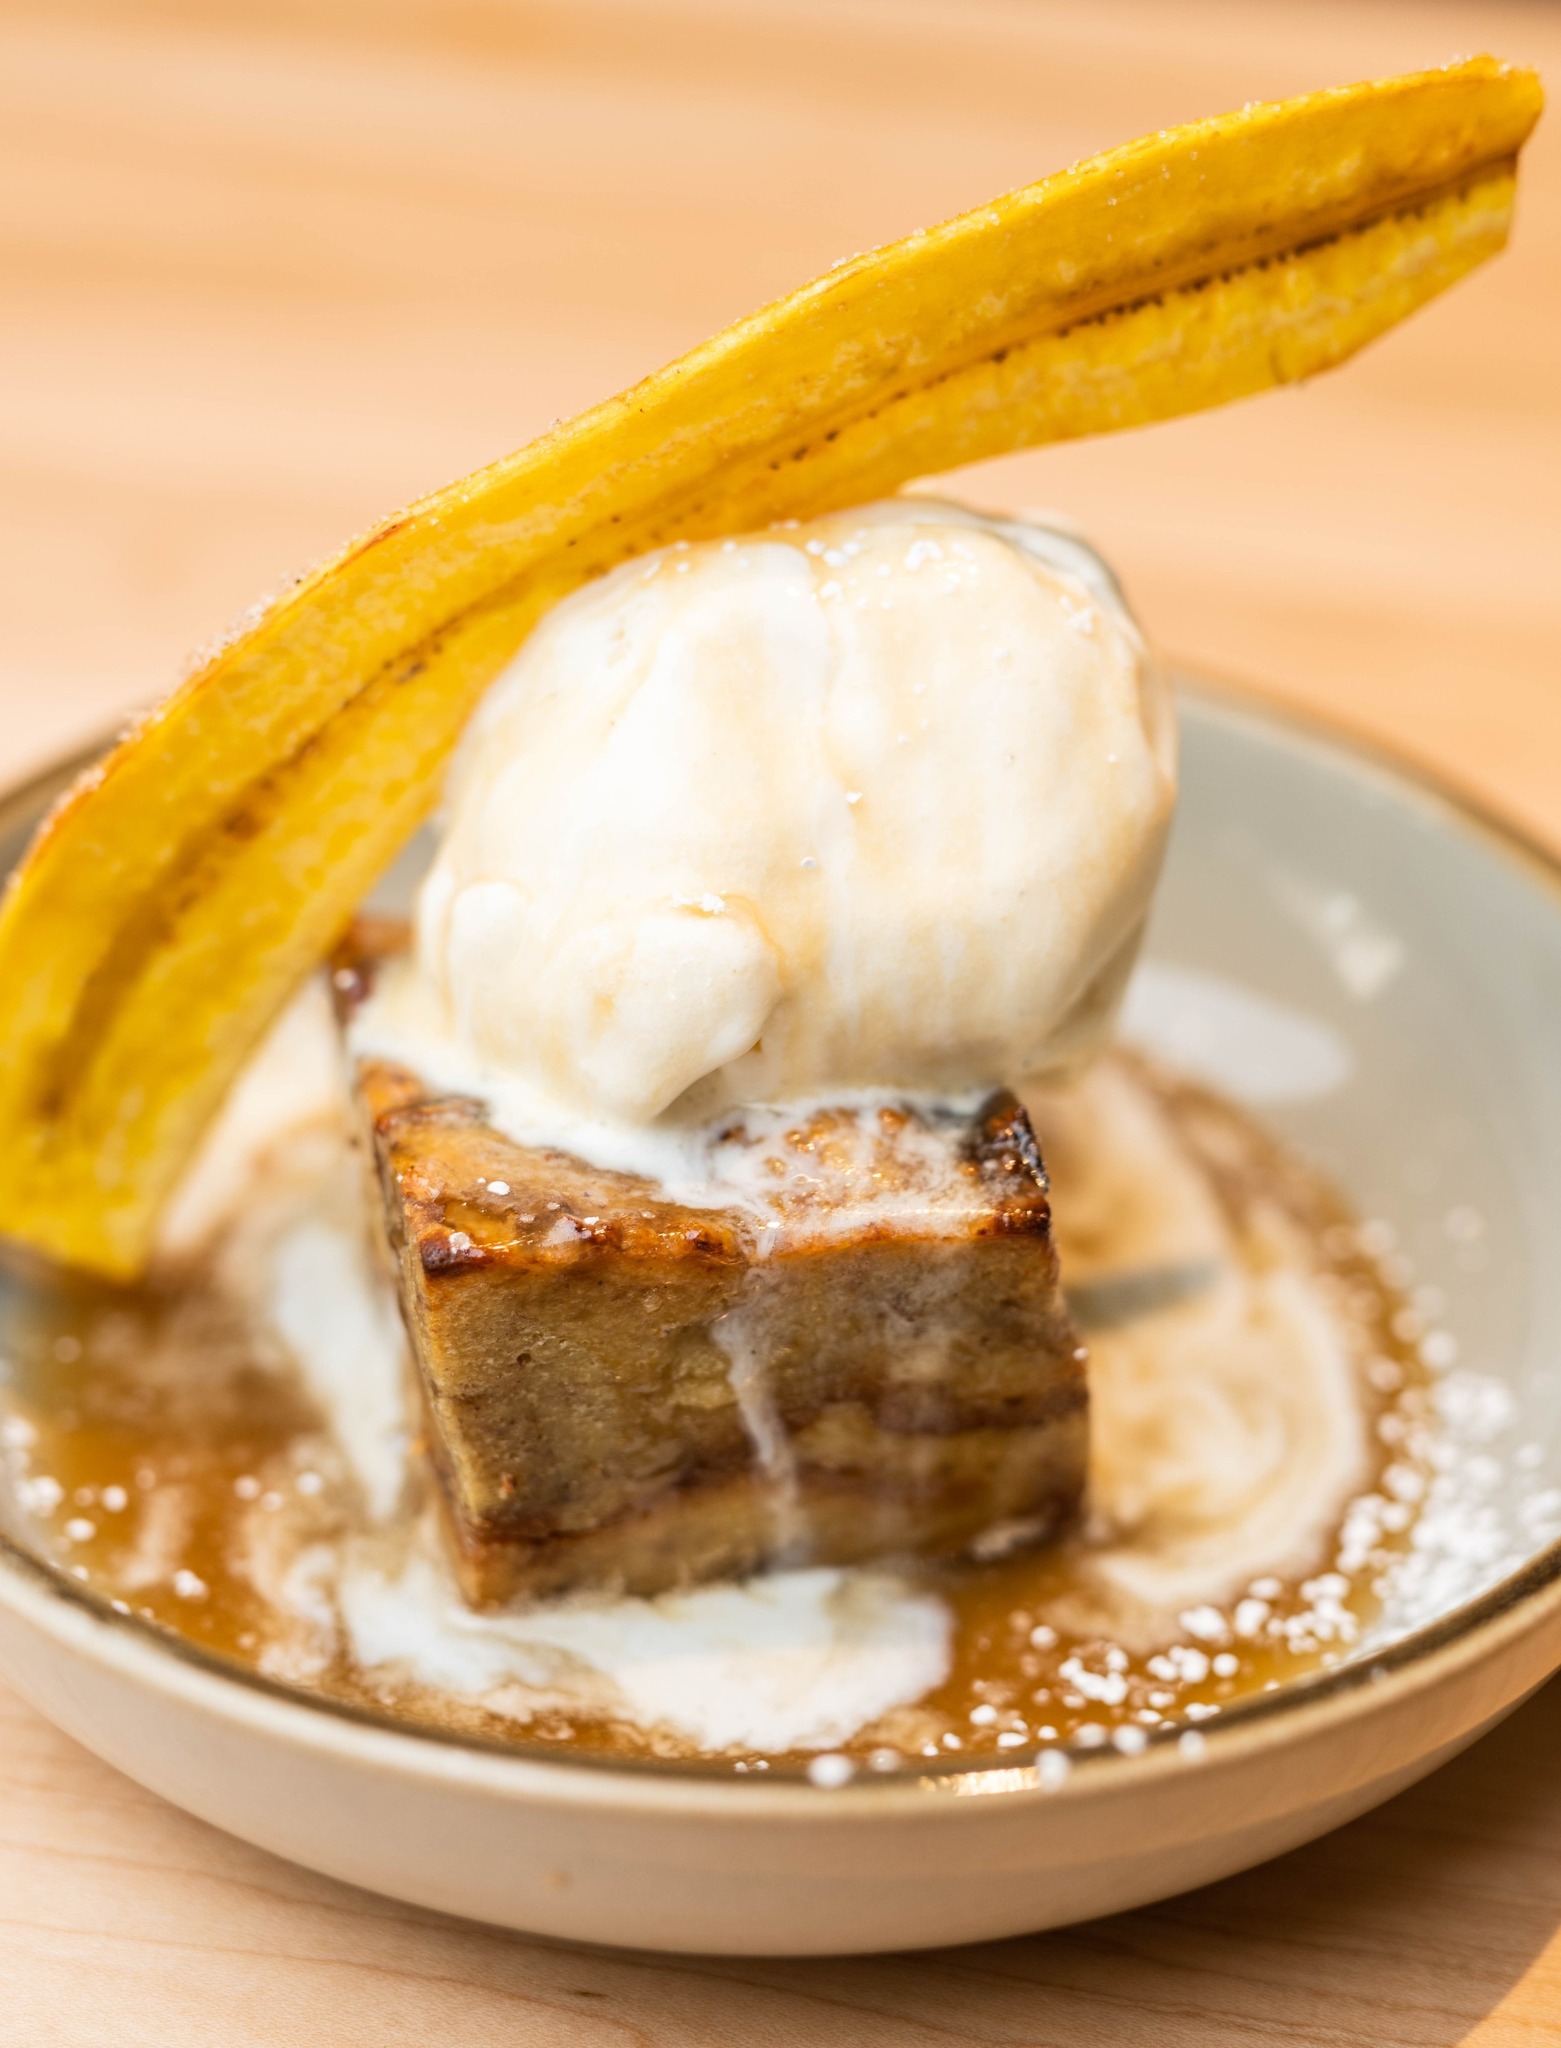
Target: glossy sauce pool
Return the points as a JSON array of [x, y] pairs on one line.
[[164, 1448]]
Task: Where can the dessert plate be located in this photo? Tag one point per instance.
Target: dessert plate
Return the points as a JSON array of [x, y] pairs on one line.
[[1375, 969]]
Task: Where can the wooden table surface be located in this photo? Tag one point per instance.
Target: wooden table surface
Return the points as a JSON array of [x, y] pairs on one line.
[[272, 267]]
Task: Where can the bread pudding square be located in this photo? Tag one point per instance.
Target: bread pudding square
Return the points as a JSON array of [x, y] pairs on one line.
[[863, 1354]]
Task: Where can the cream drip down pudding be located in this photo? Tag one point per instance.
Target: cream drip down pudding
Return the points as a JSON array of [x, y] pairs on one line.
[[863, 1354]]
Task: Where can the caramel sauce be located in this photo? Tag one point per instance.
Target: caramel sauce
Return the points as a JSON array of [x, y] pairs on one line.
[[164, 1451]]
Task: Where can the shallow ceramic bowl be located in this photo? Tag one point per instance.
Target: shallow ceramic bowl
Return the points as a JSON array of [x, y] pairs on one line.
[[1407, 960]]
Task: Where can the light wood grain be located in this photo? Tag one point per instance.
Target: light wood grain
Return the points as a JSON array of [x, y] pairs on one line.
[[273, 266], [1432, 1922]]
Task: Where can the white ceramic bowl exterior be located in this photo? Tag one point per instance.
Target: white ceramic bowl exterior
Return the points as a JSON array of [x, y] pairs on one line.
[[1429, 947]]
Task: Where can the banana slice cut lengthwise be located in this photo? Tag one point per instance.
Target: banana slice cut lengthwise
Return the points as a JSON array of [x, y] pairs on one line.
[[183, 888]]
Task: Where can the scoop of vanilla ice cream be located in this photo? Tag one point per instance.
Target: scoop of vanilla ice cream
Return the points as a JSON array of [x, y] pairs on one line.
[[872, 802]]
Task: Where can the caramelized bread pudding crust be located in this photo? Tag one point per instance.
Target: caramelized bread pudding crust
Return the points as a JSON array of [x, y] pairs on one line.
[[598, 1363]]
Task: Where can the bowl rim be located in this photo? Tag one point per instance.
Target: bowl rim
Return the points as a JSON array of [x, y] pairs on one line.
[[73, 1614]]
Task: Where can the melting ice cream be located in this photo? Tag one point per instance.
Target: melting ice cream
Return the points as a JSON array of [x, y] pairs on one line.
[[874, 802]]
